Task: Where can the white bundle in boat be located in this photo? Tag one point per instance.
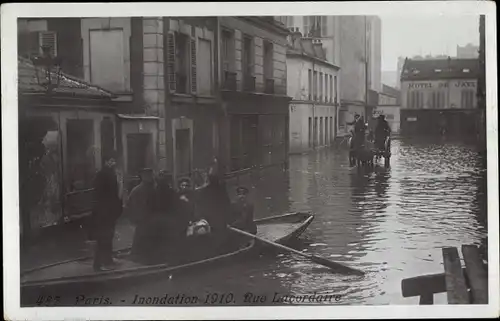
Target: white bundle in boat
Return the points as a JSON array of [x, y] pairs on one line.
[[200, 227]]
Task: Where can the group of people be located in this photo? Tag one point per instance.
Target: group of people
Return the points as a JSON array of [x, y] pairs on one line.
[[382, 131], [171, 224]]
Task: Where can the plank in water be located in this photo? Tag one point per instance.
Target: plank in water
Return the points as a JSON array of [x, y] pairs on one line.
[[477, 275], [456, 287]]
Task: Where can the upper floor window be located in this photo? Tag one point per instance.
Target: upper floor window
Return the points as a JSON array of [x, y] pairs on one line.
[[247, 64], [107, 61], [327, 92], [228, 50], [335, 89], [320, 86], [268, 60], [181, 58], [247, 61], [228, 60], [310, 84], [204, 67], [182, 62], [315, 84]]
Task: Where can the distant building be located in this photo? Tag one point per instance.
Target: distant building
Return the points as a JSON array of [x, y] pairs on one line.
[[389, 105], [312, 82], [437, 94], [468, 51], [354, 44], [439, 83]]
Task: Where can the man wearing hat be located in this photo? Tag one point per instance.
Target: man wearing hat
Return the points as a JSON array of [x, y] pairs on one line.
[[382, 131], [107, 209], [242, 212], [140, 209]]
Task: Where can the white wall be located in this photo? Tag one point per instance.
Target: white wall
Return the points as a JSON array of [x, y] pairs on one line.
[[300, 130], [298, 82]]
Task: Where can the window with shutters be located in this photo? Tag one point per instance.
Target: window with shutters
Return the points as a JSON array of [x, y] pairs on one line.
[[194, 65], [182, 63], [30, 43], [48, 39], [268, 60]]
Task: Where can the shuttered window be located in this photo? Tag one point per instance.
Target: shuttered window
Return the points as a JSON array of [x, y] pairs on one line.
[[170, 37], [49, 39], [194, 76]]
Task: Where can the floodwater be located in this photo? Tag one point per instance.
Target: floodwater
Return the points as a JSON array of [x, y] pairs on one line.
[[389, 222]]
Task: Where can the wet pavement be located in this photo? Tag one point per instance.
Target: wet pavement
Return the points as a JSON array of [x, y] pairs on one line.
[[390, 222]]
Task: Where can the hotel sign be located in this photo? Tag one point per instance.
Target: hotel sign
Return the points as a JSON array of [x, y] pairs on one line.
[[431, 85]]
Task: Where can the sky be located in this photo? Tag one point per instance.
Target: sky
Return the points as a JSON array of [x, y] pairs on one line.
[[408, 36]]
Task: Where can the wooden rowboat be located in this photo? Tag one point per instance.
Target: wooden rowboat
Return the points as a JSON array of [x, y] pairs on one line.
[[280, 229]]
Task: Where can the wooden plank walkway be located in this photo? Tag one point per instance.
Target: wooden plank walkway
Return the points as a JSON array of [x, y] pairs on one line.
[[463, 285]]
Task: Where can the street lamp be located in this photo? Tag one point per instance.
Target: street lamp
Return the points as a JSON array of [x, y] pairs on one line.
[[48, 69]]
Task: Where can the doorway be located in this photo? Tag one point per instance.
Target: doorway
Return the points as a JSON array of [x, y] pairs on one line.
[[183, 152]]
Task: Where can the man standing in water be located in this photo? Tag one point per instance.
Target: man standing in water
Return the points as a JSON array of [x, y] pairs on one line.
[[107, 209]]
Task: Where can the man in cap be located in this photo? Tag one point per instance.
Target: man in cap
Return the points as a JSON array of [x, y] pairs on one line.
[[140, 209], [107, 209], [242, 212]]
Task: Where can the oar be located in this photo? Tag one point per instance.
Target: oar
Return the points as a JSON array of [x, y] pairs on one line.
[[322, 261]]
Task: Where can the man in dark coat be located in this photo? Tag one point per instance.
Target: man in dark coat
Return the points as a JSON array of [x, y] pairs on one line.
[[382, 131], [140, 208], [107, 209]]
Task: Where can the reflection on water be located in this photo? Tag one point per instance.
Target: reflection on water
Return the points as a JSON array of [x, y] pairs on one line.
[[389, 222]]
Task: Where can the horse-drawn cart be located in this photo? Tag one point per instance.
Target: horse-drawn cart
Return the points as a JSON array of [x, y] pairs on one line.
[[366, 153]]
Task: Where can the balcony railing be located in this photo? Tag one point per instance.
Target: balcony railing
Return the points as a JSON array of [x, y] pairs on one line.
[[269, 86], [249, 83], [229, 81]]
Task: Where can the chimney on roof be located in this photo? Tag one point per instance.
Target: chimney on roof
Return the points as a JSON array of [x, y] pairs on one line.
[[294, 38], [318, 46]]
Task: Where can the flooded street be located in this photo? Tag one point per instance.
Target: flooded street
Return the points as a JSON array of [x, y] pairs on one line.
[[389, 222]]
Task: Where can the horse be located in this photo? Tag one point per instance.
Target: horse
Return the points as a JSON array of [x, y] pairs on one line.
[[360, 153]]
